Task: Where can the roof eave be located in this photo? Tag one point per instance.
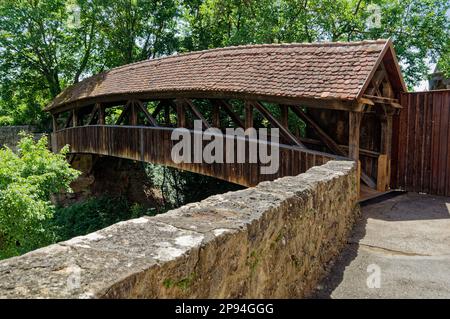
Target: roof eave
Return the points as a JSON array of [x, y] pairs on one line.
[[348, 104]]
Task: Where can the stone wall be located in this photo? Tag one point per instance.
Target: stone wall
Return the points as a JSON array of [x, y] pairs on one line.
[[9, 135], [105, 175], [275, 240]]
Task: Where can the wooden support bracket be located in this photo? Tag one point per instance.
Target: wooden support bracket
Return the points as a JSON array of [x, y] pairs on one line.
[[123, 114], [197, 113], [283, 130], [92, 115], [324, 137], [229, 110], [149, 117]]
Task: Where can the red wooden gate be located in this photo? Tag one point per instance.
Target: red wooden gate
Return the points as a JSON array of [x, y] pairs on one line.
[[421, 145]]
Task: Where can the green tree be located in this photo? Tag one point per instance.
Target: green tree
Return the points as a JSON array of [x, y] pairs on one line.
[[93, 214], [137, 30], [419, 28], [27, 180], [47, 45], [44, 46]]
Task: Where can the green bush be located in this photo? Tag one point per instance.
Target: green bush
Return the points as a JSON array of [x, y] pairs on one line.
[[94, 214], [6, 120], [27, 180]]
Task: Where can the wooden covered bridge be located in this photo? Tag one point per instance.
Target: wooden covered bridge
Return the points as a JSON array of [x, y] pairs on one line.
[[328, 100]]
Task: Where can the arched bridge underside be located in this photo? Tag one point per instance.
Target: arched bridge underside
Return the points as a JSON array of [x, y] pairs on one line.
[[328, 100]]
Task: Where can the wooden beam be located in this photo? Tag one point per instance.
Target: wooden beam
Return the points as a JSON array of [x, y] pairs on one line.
[[92, 115], [396, 105], [101, 114], [378, 79], [149, 117], [382, 175], [329, 142], [367, 101], [134, 113], [362, 151], [353, 143], [283, 130], [229, 110], [162, 105], [181, 113], [123, 114], [380, 99], [386, 150], [167, 107], [354, 122], [324, 137], [216, 115], [248, 115], [69, 118], [117, 99], [384, 100], [387, 91], [158, 109], [197, 113], [284, 110], [75, 118], [386, 135], [55, 122]]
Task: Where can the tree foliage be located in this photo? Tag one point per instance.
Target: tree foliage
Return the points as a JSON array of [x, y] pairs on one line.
[[27, 180], [47, 45], [182, 187], [419, 28], [93, 214]]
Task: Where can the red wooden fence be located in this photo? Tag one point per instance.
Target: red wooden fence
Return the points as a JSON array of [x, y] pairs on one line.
[[421, 145]]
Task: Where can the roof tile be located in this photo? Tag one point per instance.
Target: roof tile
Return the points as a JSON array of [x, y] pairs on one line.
[[318, 70]]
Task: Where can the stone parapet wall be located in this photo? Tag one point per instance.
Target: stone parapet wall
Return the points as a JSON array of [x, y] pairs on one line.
[[9, 135], [275, 240]]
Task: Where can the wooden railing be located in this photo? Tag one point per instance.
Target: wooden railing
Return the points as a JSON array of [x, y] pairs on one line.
[[154, 145]]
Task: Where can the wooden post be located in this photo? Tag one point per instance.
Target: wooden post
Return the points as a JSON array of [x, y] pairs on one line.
[[216, 116], [55, 122], [324, 137], [229, 110], [133, 114], [181, 113], [284, 109], [75, 119], [167, 114], [101, 114], [384, 161], [196, 112], [386, 135], [248, 115], [382, 178], [143, 108], [286, 134], [354, 121]]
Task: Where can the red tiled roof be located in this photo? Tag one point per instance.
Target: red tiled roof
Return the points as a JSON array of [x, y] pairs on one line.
[[317, 70]]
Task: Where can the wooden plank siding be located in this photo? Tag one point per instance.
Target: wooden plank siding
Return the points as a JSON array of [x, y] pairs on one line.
[[421, 145], [154, 145]]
